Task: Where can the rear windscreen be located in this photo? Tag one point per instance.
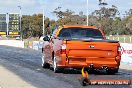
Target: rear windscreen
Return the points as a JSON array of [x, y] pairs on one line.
[[80, 33]]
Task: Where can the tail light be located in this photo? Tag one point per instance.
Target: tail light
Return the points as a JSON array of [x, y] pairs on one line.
[[119, 50], [63, 49], [118, 54]]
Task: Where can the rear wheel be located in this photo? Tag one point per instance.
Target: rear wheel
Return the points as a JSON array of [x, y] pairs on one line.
[[56, 69], [44, 64], [112, 71], [84, 81]]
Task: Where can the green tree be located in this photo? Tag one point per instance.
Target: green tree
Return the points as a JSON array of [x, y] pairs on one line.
[[32, 26], [68, 17]]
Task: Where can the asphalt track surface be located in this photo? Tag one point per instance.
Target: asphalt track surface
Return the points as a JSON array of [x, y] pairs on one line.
[[26, 63]]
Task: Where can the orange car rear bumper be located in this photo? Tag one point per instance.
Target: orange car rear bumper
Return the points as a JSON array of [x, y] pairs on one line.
[[88, 66]]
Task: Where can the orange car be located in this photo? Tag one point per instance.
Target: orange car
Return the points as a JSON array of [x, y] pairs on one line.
[[80, 46]]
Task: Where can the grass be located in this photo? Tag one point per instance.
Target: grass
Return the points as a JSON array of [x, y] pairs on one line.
[[122, 39]]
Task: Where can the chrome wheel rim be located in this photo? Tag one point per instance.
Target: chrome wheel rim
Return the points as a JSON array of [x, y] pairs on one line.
[[43, 61], [54, 64]]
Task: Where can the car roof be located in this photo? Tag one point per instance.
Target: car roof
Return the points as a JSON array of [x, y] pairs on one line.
[[79, 26]]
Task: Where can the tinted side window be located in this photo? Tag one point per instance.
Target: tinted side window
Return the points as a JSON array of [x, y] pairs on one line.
[[65, 33]]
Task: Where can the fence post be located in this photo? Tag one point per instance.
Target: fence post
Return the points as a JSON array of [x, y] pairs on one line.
[[130, 39], [113, 38], [118, 38], [107, 37], [124, 39]]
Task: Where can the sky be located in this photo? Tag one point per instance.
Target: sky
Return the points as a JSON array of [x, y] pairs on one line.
[[30, 7]]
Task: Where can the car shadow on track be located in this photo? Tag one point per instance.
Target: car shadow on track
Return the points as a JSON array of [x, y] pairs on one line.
[[78, 71], [95, 72]]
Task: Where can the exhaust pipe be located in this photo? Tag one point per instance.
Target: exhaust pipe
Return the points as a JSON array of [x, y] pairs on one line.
[[105, 68], [91, 66]]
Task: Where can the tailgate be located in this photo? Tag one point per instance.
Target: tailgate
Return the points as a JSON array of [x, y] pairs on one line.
[[88, 52]]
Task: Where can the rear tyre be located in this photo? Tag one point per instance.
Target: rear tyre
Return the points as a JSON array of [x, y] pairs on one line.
[[112, 71], [84, 81], [56, 69], [44, 64]]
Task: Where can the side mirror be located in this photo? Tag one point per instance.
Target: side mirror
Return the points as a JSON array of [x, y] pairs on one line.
[[46, 38]]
